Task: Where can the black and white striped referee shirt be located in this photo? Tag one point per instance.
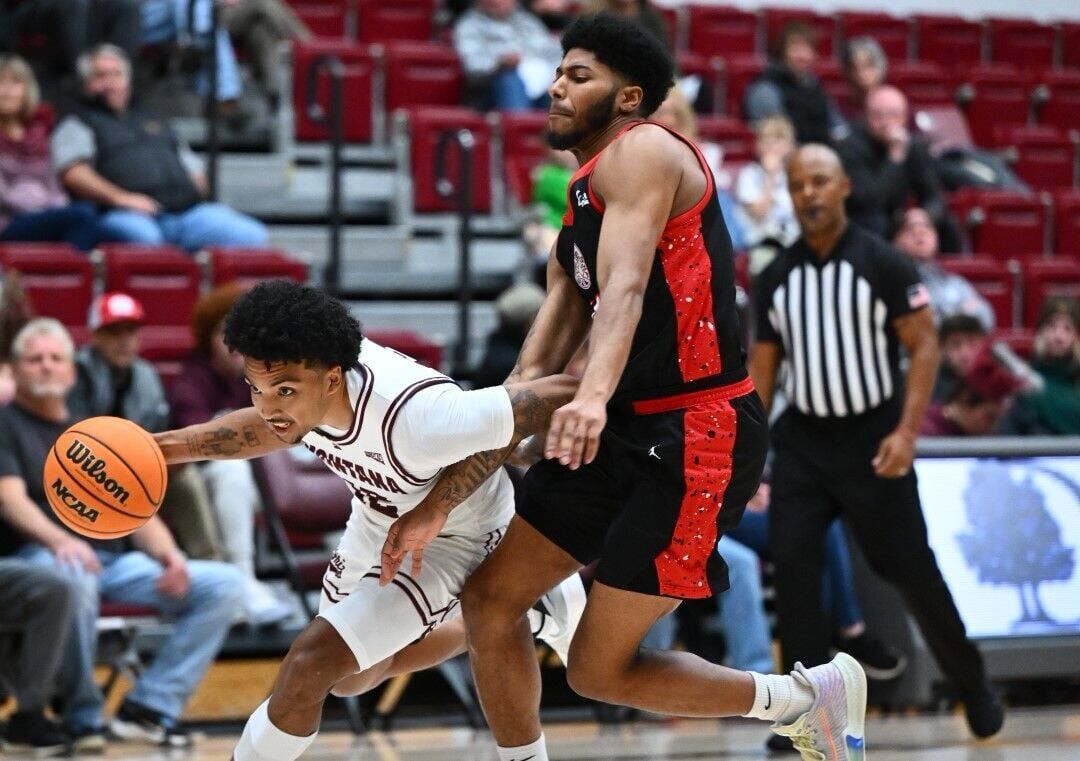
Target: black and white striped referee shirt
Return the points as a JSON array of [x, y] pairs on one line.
[[833, 317]]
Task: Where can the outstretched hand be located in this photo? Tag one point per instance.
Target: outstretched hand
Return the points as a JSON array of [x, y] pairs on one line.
[[412, 532], [574, 436]]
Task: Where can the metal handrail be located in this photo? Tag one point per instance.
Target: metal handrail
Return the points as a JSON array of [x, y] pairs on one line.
[[332, 123], [462, 192]]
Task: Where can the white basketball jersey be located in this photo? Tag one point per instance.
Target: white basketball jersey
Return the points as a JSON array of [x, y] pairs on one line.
[[391, 456]]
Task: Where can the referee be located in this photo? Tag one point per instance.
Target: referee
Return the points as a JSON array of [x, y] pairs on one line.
[[835, 308]]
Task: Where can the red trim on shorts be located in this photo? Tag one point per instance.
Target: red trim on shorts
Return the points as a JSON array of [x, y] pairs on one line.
[[689, 399], [708, 444]]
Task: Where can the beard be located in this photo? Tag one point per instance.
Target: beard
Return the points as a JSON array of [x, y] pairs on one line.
[[46, 389], [596, 117]]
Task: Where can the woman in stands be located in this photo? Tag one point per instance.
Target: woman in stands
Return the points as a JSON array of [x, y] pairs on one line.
[[33, 207]]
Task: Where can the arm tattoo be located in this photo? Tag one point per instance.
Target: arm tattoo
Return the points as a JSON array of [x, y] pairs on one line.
[[223, 442], [531, 412], [463, 478]]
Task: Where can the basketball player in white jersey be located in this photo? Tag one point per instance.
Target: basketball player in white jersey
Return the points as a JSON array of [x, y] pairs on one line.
[[387, 426]]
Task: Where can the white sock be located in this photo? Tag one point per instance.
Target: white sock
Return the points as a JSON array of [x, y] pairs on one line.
[[534, 751], [262, 741], [779, 697]]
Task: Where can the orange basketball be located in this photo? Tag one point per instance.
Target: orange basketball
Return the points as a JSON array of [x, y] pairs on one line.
[[105, 477]]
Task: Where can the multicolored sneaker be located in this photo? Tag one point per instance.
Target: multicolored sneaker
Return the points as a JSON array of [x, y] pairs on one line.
[[832, 730], [563, 607]]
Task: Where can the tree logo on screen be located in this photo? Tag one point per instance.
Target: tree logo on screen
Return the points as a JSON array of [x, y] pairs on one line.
[[1013, 538]]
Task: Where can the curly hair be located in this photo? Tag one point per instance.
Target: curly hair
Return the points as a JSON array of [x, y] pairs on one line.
[[210, 310], [283, 321], [629, 51]]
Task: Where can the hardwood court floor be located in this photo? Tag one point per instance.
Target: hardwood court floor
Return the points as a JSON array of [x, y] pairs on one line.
[[1051, 734]]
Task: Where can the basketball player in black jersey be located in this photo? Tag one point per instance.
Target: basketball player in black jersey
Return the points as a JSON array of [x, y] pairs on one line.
[[660, 449]]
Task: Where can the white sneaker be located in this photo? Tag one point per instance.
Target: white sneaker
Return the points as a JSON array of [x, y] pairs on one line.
[[563, 607], [833, 728], [261, 606]]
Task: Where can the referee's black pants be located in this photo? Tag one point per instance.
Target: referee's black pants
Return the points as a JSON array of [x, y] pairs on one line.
[[822, 469]]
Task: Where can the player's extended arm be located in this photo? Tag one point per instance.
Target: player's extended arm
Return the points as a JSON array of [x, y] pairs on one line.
[[764, 364], [533, 403], [239, 435], [917, 334], [638, 183]]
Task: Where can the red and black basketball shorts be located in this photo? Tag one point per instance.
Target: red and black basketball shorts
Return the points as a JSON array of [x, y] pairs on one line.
[[668, 480]]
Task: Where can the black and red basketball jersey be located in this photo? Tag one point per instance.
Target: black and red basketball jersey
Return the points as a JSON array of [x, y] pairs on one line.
[[688, 336]]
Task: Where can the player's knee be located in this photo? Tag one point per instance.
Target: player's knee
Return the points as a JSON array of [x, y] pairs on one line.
[[312, 667], [478, 603], [590, 678]]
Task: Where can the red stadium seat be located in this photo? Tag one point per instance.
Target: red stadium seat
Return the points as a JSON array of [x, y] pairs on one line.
[[1048, 277], [671, 18], [1070, 45], [325, 18], [1062, 106], [741, 71], [380, 21], [166, 348], [422, 74], [731, 134], [251, 265], [1001, 223], [925, 84], [995, 95], [991, 278], [163, 278], [893, 34], [1020, 340], [948, 40], [356, 89], [778, 18], [723, 31], [944, 126], [425, 126], [524, 148], [57, 279], [1022, 43], [1067, 223], [1045, 158], [410, 344]]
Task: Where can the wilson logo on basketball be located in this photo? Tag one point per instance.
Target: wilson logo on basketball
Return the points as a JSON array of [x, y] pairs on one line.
[[81, 455], [70, 500]]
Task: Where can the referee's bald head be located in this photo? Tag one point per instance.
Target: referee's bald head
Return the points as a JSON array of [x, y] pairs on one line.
[[818, 186]]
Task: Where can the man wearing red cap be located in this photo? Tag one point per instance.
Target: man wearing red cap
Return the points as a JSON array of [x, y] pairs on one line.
[[113, 379]]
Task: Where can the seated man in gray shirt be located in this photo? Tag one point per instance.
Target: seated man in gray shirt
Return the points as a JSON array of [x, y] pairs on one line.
[[147, 182]]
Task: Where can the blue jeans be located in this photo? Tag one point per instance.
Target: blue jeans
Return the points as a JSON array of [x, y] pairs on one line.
[[167, 21], [741, 618], [507, 93], [76, 224], [839, 586], [202, 620], [205, 224]]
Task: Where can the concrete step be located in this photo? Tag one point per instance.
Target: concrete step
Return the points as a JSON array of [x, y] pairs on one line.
[[437, 321]]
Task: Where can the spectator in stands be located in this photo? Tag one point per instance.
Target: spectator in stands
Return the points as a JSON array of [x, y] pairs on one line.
[[888, 166], [200, 596], [950, 294], [642, 12], [131, 164], [974, 407], [676, 113], [1053, 410], [33, 206], [764, 205], [212, 383], [261, 26], [867, 67], [508, 55], [37, 606], [789, 87], [961, 337], [112, 378], [177, 22], [517, 307], [555, 14]]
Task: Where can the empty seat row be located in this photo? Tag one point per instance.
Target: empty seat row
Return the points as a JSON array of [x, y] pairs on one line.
[[368, 20], [1017, 288], [1000, 222], [947, 40]]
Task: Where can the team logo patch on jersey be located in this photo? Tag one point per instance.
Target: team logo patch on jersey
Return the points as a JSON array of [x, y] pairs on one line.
[[582, 198], [375, 456], [918, 296], [581, 270]]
